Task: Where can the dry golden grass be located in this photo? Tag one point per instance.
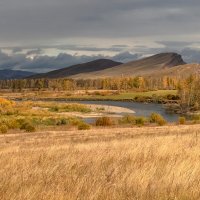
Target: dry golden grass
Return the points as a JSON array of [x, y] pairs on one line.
[[104, 164]]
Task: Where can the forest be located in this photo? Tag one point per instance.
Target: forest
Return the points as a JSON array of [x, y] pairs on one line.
[[188, 88]]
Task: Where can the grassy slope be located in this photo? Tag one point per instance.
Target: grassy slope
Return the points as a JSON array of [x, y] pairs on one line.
[[139, 163]]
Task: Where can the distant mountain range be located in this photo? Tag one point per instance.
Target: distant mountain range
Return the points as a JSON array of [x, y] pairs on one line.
[[14, 74], [102, 68], [163, 64]]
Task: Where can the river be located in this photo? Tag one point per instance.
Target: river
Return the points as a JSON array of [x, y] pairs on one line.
[[141, 109]]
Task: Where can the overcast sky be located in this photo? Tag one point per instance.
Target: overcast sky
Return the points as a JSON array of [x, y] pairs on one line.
[[35, 32]]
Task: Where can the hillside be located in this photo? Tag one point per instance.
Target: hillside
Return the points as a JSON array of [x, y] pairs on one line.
[[14, 74], [143, 67], [180, 70], [85, 68], [107, 68]]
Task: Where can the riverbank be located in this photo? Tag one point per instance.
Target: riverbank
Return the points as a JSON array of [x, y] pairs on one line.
[[96, 111], [159, 96]]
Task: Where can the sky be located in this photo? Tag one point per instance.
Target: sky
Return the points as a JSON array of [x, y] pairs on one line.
[[42, 35]]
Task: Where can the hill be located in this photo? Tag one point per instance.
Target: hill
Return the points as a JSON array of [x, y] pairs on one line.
[[85, 68], [14, 74], [163, 63], [180, 70], [143, 67]]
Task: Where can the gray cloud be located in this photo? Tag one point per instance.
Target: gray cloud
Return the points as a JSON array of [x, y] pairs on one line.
[[191, 55], [34, 52], [114, 48], [16, 49], [44, 63], [118, 26], [28, 21], [47, 63]]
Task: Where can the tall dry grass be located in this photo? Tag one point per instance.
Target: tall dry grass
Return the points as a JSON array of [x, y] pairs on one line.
[[108, 164]]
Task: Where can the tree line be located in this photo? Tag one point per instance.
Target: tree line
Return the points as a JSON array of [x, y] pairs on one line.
[[122, 83]]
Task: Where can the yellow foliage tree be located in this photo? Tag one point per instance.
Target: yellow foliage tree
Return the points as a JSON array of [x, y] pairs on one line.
[[6, 106]]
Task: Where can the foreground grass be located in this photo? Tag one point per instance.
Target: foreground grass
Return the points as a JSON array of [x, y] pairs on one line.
[[134, 163]]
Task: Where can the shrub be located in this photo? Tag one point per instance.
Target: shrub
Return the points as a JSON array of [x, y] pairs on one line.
[[195, 117], [74, 121], [127, 119], [172, 97], [6, 106], [61, 122], [84, 126], [70, 108], [49, 122], [28, 127], [161, 122], [3, 129], [157, 118], [140, 121], [104, 121], [54, 109], [141, 98], [181, 120], [12, 124]]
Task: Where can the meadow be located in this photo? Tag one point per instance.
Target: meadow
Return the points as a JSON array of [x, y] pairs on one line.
[[90, 95], [46, 154], [154, 163]]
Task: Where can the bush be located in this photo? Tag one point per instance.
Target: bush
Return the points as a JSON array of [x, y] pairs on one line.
[[181, 120], [84, 126], [195, 117], [157, 118], [141, 98], [127, 119], [49, 122], [161, 122], [140, 121], [74, 121], [61, 122], [28, 127], [3, 129], [54, 109], [12, 124], [70, 108], [172, 97], [104, 121], [6, 106]]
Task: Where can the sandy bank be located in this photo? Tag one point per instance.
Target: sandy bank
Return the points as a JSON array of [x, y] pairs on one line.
[[101, 110]]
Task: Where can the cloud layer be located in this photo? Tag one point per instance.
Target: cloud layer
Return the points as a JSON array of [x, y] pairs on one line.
[[40, 35], [50, 21]]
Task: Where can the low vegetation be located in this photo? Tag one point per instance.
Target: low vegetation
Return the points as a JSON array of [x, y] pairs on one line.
[[132, 163], [84, 126], [157, 118], [33, 116], [181, 120], [104, 121]]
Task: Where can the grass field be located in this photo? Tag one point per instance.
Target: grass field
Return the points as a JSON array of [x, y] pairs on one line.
[[103, 95], [154, 163], [132, 95]]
